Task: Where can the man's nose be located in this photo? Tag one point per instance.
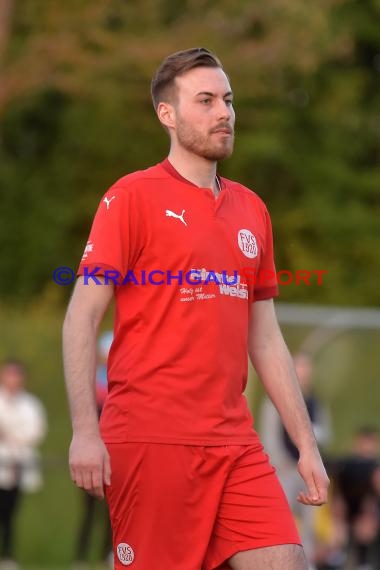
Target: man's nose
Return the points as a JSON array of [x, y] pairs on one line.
[[224, 110]]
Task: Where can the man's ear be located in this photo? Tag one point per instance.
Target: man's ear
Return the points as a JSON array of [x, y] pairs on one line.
[[166, 114]]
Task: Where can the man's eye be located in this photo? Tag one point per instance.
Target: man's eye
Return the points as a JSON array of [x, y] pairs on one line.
[[228, 102], [206, 101]]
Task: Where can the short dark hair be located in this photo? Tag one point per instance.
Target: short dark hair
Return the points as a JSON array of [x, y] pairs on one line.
[[14, 363], [177, 64], [367, 430]]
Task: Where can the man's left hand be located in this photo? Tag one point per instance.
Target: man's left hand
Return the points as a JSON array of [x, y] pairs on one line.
[[313, 472]]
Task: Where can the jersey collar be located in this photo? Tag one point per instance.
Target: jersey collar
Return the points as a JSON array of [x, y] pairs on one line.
[[167, 165]]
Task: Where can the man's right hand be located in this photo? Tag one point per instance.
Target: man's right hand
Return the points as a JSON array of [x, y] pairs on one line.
[[90, 464]]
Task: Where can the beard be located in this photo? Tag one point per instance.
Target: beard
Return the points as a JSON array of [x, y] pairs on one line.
[[209, 146]]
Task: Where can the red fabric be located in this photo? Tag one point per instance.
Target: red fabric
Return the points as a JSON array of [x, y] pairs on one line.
[[193, 507], [178, 363]]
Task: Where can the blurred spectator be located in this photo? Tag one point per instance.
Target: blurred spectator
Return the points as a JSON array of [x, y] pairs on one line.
[[90, 503], [357, 500], [22, 428], [284, 455]]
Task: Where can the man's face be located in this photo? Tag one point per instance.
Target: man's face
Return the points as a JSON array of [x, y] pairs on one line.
[[204, 116]]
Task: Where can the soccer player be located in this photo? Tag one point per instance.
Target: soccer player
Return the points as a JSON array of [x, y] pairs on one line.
[[188, 257]]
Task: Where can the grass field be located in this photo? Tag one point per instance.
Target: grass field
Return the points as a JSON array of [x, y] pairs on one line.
[[346, 376]]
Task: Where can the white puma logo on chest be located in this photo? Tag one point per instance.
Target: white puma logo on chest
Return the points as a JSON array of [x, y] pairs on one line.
[[174, 215]]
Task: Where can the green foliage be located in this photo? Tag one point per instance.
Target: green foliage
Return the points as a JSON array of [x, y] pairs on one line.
[[76, 114]]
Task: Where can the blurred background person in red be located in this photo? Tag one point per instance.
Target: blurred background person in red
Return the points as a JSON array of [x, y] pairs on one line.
[[22, 428]]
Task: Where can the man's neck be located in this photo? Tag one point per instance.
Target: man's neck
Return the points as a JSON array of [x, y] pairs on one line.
[[198, 170]]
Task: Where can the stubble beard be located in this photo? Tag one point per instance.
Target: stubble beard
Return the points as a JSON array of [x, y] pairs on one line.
[[202, 145]]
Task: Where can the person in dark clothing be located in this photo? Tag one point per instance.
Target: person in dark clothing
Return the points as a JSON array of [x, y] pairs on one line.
[[357, 480]]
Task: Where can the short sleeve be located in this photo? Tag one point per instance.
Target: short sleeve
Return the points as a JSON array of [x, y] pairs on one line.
[[266, 285], [110, 241]]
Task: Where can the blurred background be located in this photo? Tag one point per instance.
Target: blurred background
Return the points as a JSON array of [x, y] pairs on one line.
[[75, 115]]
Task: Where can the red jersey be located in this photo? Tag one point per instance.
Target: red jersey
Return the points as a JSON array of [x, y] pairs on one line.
[[183, 264]]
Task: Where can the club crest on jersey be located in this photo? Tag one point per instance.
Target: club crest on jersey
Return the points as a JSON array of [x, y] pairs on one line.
[[125, 553], [247, 243]]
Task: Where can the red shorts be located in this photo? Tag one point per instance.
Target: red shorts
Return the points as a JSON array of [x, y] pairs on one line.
[[191, 507]]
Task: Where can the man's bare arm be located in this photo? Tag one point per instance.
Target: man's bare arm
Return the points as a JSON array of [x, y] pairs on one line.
[[273, 363], [88, 457]]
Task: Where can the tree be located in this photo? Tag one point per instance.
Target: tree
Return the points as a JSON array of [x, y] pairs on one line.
[[76, 115]]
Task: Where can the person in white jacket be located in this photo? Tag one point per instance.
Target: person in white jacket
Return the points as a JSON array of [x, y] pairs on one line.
[[22, 428]]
